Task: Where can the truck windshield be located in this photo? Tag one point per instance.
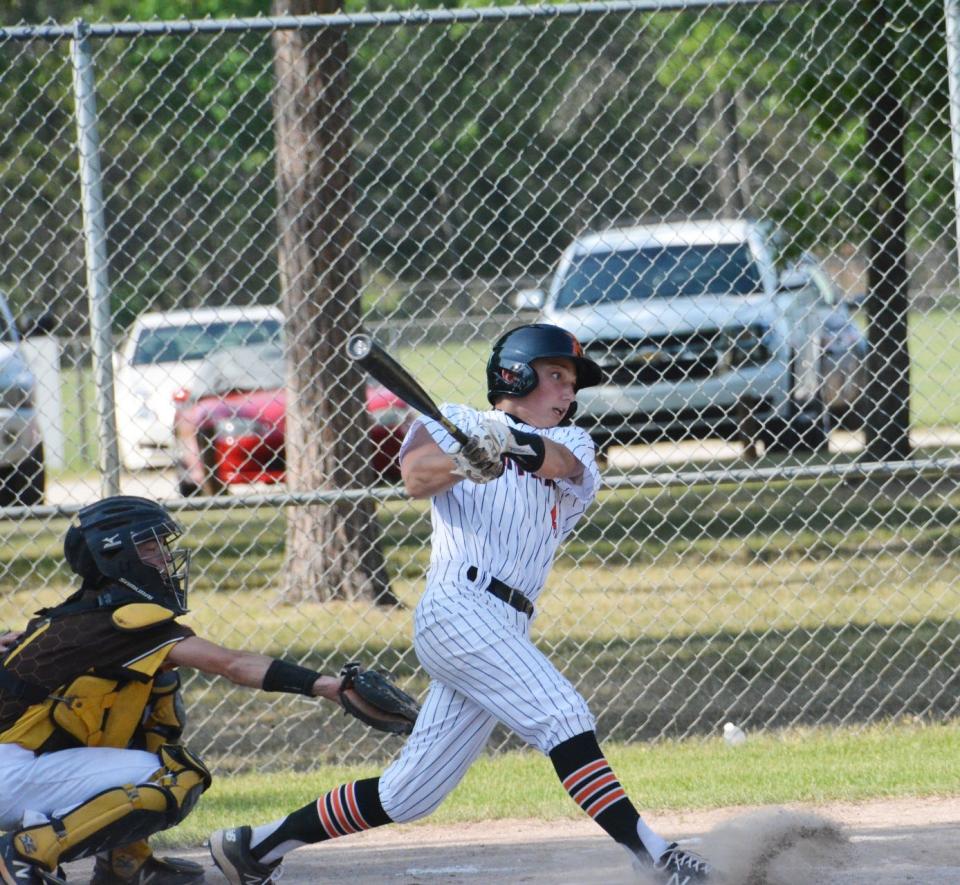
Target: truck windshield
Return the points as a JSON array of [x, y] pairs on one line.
[[668, 272]]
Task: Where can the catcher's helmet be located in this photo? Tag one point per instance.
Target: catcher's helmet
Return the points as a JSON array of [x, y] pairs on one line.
[[515, 351], [128, 539]]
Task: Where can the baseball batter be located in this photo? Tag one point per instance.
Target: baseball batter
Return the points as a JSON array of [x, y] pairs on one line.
[[501, 505]]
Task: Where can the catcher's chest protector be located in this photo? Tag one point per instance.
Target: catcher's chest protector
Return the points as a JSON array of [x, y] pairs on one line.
[[95, 710]]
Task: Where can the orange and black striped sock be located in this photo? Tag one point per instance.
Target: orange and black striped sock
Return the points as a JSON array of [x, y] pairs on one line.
[[346, 809], [587, 777]]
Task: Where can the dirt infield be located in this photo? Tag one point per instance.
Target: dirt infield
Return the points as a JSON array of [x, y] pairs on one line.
[[880, 843]]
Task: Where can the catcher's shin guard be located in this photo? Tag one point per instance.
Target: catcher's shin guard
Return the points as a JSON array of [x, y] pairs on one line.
[[120, 815]]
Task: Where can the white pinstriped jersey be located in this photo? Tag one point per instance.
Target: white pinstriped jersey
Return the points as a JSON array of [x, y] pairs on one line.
[[509, 528]]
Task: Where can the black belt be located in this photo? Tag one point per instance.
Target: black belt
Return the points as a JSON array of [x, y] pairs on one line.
[[513, 598]]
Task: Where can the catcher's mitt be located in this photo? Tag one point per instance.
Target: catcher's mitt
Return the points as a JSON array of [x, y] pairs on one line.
[[382, 705]]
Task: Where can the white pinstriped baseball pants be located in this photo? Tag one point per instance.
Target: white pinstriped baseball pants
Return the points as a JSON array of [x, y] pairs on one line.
[[484, 669]]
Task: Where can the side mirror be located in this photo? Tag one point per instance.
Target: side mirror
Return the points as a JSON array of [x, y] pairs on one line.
[[793, 279], [529, 299]]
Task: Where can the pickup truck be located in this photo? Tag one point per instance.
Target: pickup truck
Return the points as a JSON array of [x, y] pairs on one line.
[[697, 332]]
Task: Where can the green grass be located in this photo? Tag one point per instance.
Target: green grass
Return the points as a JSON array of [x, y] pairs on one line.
[[814, 766], [672, 610], [450, 372], [934, 343]]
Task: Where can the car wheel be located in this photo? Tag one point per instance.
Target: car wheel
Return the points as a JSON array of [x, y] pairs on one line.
[[855, 417], [187, 488], [24, 484], [212, 484], [805, 430]]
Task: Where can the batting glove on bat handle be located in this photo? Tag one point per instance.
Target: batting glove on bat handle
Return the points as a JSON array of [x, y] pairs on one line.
[[472, 461]]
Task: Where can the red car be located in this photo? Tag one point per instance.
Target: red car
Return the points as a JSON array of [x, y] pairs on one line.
[[233, 432]]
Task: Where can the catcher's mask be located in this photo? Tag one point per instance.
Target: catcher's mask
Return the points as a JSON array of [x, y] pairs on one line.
[[129, 540], [514, 353]]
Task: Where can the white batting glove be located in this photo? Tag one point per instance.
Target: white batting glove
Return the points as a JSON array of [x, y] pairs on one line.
[[525, 449], [479, 459]]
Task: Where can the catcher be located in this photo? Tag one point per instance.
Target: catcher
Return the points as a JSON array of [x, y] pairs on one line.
[[91, 715]]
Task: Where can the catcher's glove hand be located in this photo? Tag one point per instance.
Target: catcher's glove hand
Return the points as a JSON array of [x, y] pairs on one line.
[[374, 699]]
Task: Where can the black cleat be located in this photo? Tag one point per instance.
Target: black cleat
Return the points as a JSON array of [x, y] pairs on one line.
[[231, 853], [166, 870], [14, 870]]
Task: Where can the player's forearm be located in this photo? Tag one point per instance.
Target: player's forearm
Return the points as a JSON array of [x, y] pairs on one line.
[[559, 462], [271, 674], [428, 474], [251, 669], [247, 669]]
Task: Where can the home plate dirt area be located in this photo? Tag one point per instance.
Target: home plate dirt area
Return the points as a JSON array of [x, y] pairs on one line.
[[889, 842]]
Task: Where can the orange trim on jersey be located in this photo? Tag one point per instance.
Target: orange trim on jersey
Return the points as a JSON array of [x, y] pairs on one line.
[[592, 788], [606, 801], [571, 781], [339, 813], [354, 808]]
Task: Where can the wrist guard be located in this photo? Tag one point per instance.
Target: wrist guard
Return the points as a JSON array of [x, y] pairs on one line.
[[292, 678], [528, 451]]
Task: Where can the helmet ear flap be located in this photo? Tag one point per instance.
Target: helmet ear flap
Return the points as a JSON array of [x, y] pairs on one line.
[[77, 554]]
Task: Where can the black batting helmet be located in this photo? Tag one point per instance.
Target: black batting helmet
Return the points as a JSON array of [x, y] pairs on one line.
[[515, 352], [128, 540]]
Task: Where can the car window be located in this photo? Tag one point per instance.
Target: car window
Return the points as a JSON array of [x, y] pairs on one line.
[[668, 272], [170, 344]]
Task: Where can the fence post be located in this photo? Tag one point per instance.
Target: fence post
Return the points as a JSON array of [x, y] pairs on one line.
[[95, 240], [952, 13]]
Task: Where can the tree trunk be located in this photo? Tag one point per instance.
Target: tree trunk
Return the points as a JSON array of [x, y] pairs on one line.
[[887, 424], [727, 158], [333, 551]]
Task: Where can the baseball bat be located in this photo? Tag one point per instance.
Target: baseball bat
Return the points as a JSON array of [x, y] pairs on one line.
[[367, 353]]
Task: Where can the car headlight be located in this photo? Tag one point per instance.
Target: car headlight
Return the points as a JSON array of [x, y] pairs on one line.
[[238, 425], [748, 346]]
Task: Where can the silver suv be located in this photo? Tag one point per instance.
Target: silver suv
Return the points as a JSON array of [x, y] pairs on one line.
[[697, 334], [21, 447]]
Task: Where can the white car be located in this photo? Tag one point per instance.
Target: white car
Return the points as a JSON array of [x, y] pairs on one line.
[[697, 333], [160, 356]]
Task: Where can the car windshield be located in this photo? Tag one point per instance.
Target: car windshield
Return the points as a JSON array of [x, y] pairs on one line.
[[170, 344], [663, 272]]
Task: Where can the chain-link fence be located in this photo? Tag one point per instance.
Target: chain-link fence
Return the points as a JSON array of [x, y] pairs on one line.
[[744, 210]]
